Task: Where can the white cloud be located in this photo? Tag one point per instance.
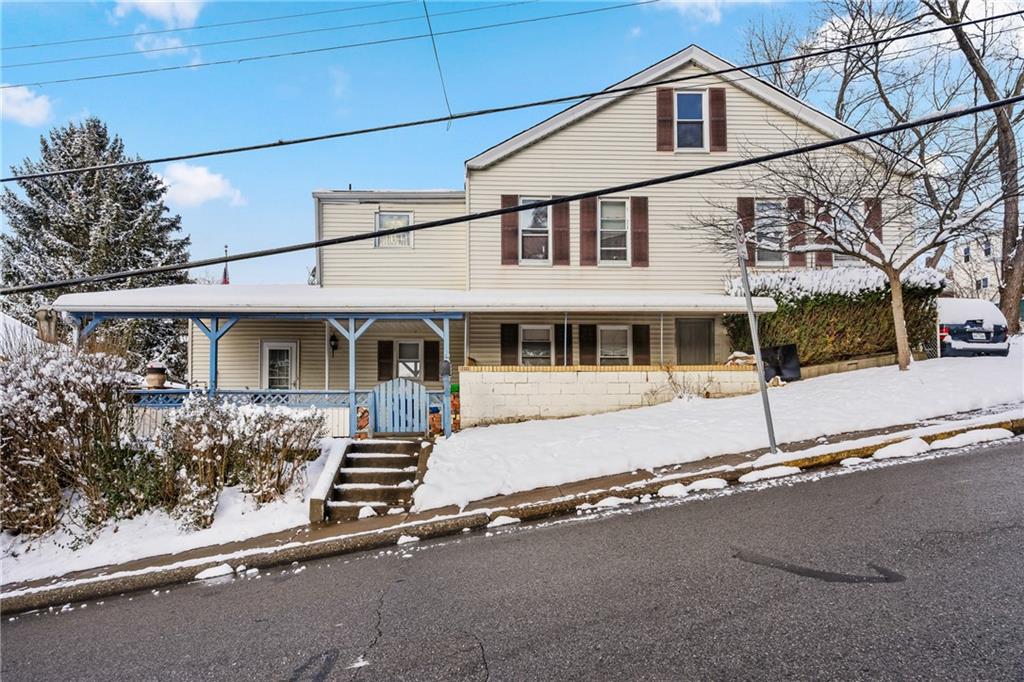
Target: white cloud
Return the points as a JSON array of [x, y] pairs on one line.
[[171, 13], [23, 106], [339, 81], [189, 186], [708, 11], [635, 32], [166, 44]]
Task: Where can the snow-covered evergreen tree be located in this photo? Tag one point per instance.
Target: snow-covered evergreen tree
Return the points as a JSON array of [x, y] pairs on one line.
[[83, 224]]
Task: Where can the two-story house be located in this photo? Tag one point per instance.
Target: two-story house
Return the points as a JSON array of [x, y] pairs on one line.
[[621, 281]]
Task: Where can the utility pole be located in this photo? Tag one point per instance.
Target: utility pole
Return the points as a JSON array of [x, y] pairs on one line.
[[741, 258]]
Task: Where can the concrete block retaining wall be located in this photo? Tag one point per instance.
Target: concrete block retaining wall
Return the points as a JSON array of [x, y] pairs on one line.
[[494, 394]]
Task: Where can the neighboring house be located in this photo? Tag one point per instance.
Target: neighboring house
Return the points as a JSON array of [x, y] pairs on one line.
[[616, 282], [973, 270]]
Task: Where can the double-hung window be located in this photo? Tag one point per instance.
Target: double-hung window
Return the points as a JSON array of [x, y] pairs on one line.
[[690, 128], [409, 359], [388, 221], [770, 229], [534, 233], [986, 248], [536, 344], [850, 219], [967, 254], [613, 345], [613, 238]]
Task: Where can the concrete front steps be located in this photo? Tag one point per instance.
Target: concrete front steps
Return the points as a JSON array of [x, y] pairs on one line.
[[380, 474]]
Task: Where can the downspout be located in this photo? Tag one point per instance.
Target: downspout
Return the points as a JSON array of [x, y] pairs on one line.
[[661, 338], [565, 340]]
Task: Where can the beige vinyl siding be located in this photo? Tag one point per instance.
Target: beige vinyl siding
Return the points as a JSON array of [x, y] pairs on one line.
[[238, 358], [436, 259], [485, 333], [238, 352], [617, 145]]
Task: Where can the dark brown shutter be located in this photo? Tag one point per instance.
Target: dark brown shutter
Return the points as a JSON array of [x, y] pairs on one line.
[[588, 231], [745, 214], [431, 360], [717, 122], [588, 344], [822, 259], [509, 231], [563, 344], [873, 222], [510, 344], [797, 234], [560, 234], [385, 360], [666, 120], [638, 231], [641, 344]]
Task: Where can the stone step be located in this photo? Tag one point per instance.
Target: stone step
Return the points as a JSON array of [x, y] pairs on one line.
[[383, 476], [380, 461], [403, 447], [372, 493], [349, 511]]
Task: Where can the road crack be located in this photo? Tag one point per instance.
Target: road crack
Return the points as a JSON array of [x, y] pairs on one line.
[[483, 655], [362, 661]]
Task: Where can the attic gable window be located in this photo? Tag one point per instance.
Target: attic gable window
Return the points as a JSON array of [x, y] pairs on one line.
[[389, 221], [690, 115]]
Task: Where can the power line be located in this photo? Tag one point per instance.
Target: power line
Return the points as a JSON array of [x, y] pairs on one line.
[[502, 109], [329, 48], [437, 60], [270, 36], [480, 215], [203, 26]]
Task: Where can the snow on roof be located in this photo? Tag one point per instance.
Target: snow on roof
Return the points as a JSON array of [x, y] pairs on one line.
[[959, 310], [14, 331], [845, 281], [301, 298]]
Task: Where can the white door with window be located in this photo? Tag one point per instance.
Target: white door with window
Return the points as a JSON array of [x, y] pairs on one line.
[[279, 365]]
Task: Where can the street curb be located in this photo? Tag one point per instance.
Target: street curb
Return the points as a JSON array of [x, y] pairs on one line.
[[44, 597]]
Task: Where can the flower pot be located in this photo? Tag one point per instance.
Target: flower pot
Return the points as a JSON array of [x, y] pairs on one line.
[[156, 377]]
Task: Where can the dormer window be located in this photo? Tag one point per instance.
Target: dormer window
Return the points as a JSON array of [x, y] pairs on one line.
[[690, 119]]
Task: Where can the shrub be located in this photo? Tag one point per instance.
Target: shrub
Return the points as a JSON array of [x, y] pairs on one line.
[[211, 444], [837, 314], [61, 413]]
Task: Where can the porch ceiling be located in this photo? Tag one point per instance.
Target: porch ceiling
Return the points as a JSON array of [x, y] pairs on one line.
[[274, 300]]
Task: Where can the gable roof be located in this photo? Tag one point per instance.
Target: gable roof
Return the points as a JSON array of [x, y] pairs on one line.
[[694, 54]]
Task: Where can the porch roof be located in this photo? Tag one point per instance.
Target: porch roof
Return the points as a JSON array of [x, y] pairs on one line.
[[292, 299]]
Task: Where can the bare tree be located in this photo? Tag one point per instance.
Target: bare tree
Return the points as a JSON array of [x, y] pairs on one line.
[[892, 82], [846, 208], [999, 68]]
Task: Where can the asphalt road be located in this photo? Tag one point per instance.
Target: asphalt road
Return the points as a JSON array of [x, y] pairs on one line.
[[768, 584]]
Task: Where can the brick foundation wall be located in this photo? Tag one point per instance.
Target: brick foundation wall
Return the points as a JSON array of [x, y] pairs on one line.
[[494, 394]]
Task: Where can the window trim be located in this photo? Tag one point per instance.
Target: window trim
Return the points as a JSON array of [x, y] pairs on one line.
[[704, 108], [519, 235], [376, 228], [784, 263], [268, 344], [629, 241], [551, 333], [397, 361], [629, 342]]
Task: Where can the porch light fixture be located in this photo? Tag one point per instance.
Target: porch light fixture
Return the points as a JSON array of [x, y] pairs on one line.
[[333, 343]]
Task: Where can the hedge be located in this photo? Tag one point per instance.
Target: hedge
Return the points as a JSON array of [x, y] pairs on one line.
[[828, 327]]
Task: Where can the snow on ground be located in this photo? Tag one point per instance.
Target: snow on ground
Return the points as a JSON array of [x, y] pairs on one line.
[[156, 532], [218, 571], [770, 472], [971, 437], [905, 448], [481, 462], [502, 521]]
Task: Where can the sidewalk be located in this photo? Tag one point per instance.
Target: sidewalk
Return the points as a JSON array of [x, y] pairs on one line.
[[311, 542]]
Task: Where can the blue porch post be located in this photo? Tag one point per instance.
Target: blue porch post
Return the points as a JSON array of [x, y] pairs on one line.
[[213, 334], [446, 408], [352, 335]]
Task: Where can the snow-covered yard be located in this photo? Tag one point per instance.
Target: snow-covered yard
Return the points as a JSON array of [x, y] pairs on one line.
[[482, 462], [152, 533]]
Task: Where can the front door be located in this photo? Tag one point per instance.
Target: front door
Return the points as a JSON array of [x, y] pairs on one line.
[[695, 341], [279, 364]]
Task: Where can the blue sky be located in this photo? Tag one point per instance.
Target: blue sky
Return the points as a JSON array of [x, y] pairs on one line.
[[263, 199]]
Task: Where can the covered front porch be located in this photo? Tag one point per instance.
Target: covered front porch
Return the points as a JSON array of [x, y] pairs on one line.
[[371, 371]]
